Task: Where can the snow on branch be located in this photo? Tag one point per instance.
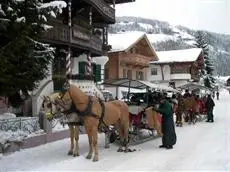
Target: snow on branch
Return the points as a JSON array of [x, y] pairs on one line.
[[46, 27], [19, 0], [54, 4], [1, 11], [20, 19]]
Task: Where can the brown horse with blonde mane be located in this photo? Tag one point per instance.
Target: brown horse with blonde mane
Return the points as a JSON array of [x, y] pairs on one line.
[[190, 108], [93, 112]]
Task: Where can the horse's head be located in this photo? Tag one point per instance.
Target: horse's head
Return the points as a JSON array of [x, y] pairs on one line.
[[56, 104]]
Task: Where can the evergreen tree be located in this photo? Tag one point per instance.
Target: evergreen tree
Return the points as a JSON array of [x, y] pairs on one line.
[[208, 69], [24, 60]]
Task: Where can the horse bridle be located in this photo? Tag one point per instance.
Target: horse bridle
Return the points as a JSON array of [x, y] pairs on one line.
[[51, 114]]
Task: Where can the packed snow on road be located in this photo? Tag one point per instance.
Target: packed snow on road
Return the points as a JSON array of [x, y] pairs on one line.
[[203, 146]]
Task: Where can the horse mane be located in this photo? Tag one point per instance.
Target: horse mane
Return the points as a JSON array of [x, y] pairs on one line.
[[54, 95]]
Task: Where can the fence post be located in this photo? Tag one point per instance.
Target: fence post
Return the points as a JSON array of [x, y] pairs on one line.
[[46, 125]]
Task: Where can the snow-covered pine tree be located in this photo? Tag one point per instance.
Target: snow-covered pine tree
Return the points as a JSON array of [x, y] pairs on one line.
[[207, 71], [24, 60]]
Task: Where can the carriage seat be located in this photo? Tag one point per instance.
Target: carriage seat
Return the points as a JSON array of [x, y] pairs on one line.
[[134, 109]]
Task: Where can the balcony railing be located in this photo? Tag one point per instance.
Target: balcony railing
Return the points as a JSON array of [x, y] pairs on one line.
[[104, 8], [134, 60], [181, 76], [81, 37]]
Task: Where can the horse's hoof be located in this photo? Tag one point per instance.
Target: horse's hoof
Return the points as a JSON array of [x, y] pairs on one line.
[[120, 150], [70, 153], [76, 154], [88, 156], [107, 146], [129, 150], [95, 159]]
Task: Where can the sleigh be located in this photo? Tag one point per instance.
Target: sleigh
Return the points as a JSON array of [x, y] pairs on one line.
[[144, 123]]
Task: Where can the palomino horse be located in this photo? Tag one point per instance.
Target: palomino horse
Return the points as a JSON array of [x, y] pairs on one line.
[[72, 120], [92, 111], [153, 120], [190, 109]]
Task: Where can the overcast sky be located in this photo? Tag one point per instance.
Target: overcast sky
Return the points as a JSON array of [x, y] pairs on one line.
[[211, 15]]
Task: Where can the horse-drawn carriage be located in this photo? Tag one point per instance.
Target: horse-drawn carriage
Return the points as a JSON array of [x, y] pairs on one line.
[[144, 125], [130, 121], [198, 107]]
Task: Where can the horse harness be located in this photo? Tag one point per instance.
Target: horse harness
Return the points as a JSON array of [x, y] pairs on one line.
[[87, 112]]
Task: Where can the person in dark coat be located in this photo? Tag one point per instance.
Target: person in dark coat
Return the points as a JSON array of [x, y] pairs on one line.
[[168, 130], [180, 110], [210, 105], [217, 95]]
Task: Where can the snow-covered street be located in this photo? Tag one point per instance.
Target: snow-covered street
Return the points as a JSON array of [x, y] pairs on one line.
[[204, 146]]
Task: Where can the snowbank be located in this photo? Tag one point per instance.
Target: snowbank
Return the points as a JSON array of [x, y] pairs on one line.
[[7, 116], [6, 137]]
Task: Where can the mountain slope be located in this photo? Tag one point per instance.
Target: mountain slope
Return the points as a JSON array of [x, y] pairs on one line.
[[164, 36]]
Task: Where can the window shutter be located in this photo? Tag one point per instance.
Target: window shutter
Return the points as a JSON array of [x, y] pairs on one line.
[[82, 66], [97, 73], [93, 69]]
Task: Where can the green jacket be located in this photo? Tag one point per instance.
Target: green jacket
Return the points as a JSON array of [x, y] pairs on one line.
[[165, 109]]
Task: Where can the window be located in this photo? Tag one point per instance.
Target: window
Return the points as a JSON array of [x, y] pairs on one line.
[[153, 71], [106, 74], [129, 74], [133, 50], [179, 69], [124, 73], [139, 75], [172, 84], [81, 68]]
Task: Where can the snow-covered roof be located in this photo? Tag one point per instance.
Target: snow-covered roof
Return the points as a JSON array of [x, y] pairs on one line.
[[125, 40], [137, 84], [187, 55], [122, 41]]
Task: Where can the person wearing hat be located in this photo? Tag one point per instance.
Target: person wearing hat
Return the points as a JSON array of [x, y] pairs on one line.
[[210, 105], [168, 129]]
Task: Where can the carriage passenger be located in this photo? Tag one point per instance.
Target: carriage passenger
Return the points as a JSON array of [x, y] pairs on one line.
[[168, 129], [174, 103], [187, 94]]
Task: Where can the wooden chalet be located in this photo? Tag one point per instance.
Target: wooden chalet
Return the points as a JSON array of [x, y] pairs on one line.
[[177, 67], [89, 33], [130, 56], [228, 82]]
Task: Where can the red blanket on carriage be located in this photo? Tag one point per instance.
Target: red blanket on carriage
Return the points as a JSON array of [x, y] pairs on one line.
[[136, 119]]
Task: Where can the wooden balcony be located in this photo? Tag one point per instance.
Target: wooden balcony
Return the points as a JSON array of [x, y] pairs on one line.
[[119, 1], [135, 60], [104, 9], [80, 37], [181, 76]]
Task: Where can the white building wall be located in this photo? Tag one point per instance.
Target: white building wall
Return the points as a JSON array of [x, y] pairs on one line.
[[158, 77], [45, 88], [85, 85], [75, 61], [179, 79], [180, 82]]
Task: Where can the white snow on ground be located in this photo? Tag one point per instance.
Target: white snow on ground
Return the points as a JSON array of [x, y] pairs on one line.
[[204, 146], [17, 136]]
